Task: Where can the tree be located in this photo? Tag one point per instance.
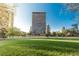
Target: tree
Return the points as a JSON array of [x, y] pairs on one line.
[[10, 31], [15, 32], [75, 27], [3, 33], [54, 33], [73, 7]]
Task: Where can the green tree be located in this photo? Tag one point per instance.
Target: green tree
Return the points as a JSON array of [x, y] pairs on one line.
[[15, 32], [54, 33], [3, 32]]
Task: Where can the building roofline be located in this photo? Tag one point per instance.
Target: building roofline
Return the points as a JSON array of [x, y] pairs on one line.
[[38, 12]]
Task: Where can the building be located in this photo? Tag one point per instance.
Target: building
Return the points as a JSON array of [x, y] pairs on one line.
[[63, 29], [6, 16], [38, 23], [48, 29]]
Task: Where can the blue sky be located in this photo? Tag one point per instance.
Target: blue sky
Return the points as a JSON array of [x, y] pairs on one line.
[[56, 15]]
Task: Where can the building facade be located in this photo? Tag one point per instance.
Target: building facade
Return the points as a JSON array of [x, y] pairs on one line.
[[38, 23], [6, 16]]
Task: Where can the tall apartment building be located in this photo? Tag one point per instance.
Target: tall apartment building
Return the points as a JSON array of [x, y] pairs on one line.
[[38, 23], [6, 16]]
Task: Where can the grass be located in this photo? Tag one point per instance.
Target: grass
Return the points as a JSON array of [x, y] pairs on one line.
[[39, 47]]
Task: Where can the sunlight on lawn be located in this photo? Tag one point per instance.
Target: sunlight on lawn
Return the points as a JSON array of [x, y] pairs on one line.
[[31, 47]]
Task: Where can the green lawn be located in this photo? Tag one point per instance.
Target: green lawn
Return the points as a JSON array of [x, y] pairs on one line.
[[39, 47]]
